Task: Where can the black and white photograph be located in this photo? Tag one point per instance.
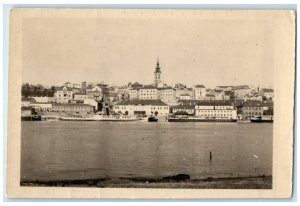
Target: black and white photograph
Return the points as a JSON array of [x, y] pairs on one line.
[[161, 99]]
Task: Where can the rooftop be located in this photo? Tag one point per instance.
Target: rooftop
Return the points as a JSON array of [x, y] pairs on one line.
[[215, 103], [71, 104], [154, 102], [184, 107], [253, 103], [267, 90], [199, 86]]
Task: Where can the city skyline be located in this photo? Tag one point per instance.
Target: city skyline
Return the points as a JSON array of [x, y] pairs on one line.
[[194, 51]]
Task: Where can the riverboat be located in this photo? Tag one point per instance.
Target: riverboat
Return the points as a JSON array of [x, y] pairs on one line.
[[262, 119], [199, 119], [98, 118], [152, 119], [32, 118]]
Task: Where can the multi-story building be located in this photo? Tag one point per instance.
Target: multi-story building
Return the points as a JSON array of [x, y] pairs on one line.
[[72, 108], [185, 97], [252, 108], [94, 92], [148, 92], [241, 91], [63, 95], [268, 93], [133, 94], [184, 92], [148, 107], [216, 109], [199, 91], [166, 94], [80, 96]]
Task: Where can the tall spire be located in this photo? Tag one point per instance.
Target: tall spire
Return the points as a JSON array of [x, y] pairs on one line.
[[157, 73], [157, 69]]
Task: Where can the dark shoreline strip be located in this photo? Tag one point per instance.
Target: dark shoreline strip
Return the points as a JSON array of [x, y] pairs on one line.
[[255, 182]]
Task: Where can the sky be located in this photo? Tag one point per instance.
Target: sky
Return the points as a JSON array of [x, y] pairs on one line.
[[210, 50]]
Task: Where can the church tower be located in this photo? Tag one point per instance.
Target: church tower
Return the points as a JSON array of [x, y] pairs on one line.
[[157, 74]]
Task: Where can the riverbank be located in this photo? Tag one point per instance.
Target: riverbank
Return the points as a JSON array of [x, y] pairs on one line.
[[258, 182]]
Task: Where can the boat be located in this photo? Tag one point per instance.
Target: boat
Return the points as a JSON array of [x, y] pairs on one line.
[[115, 118], [76, 118], [31, 118], [259, 119], [98, 117], [152, 119], [199, 119]]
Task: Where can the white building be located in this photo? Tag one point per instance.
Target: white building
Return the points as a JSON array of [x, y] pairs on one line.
[[133, 94], [148, 92], [199, 92], [42, 106], [63, 95], [166, 94], [91, 102], [184, 92], [241, 91], [148, 107], [216, 109], [185, 97], [80, 96]]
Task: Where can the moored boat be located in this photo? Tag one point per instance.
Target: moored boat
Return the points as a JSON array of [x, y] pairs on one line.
[[262, 119], [152, 119], [199, 119]]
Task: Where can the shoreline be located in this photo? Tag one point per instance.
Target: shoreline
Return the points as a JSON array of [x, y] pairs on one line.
[[249, 182]]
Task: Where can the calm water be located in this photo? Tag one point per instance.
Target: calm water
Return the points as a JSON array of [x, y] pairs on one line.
[[82, 150]]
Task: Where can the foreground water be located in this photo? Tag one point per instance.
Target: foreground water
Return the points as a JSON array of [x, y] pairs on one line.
[[86, 150]]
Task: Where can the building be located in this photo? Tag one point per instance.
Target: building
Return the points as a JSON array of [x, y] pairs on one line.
[[94, 92], [241, 91], [224, 88], [44, 99], [268, 93], [185, 97], [137, 106], [68, 84], [148, 92], [252, 108], [166, 94], [216, 109], [42, 106], [26, 111], [26, 102], [157, 74], [133, 94], [72, 108], [181, 93], [189, 109], [80, 96], [199, 91], [63, 95]]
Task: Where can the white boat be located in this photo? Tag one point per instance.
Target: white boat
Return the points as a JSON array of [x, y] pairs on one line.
[[98, 117], [114, 118]]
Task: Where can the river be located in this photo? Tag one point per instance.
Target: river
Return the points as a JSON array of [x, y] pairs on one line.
[[61, 150]]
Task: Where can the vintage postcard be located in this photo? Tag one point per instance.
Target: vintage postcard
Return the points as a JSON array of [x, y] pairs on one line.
[[150, 103]]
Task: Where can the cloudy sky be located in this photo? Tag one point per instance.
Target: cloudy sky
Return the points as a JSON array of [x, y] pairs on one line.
[[237, 49]]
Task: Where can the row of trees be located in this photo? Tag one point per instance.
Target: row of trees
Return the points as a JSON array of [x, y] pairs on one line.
[[37, 90]]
